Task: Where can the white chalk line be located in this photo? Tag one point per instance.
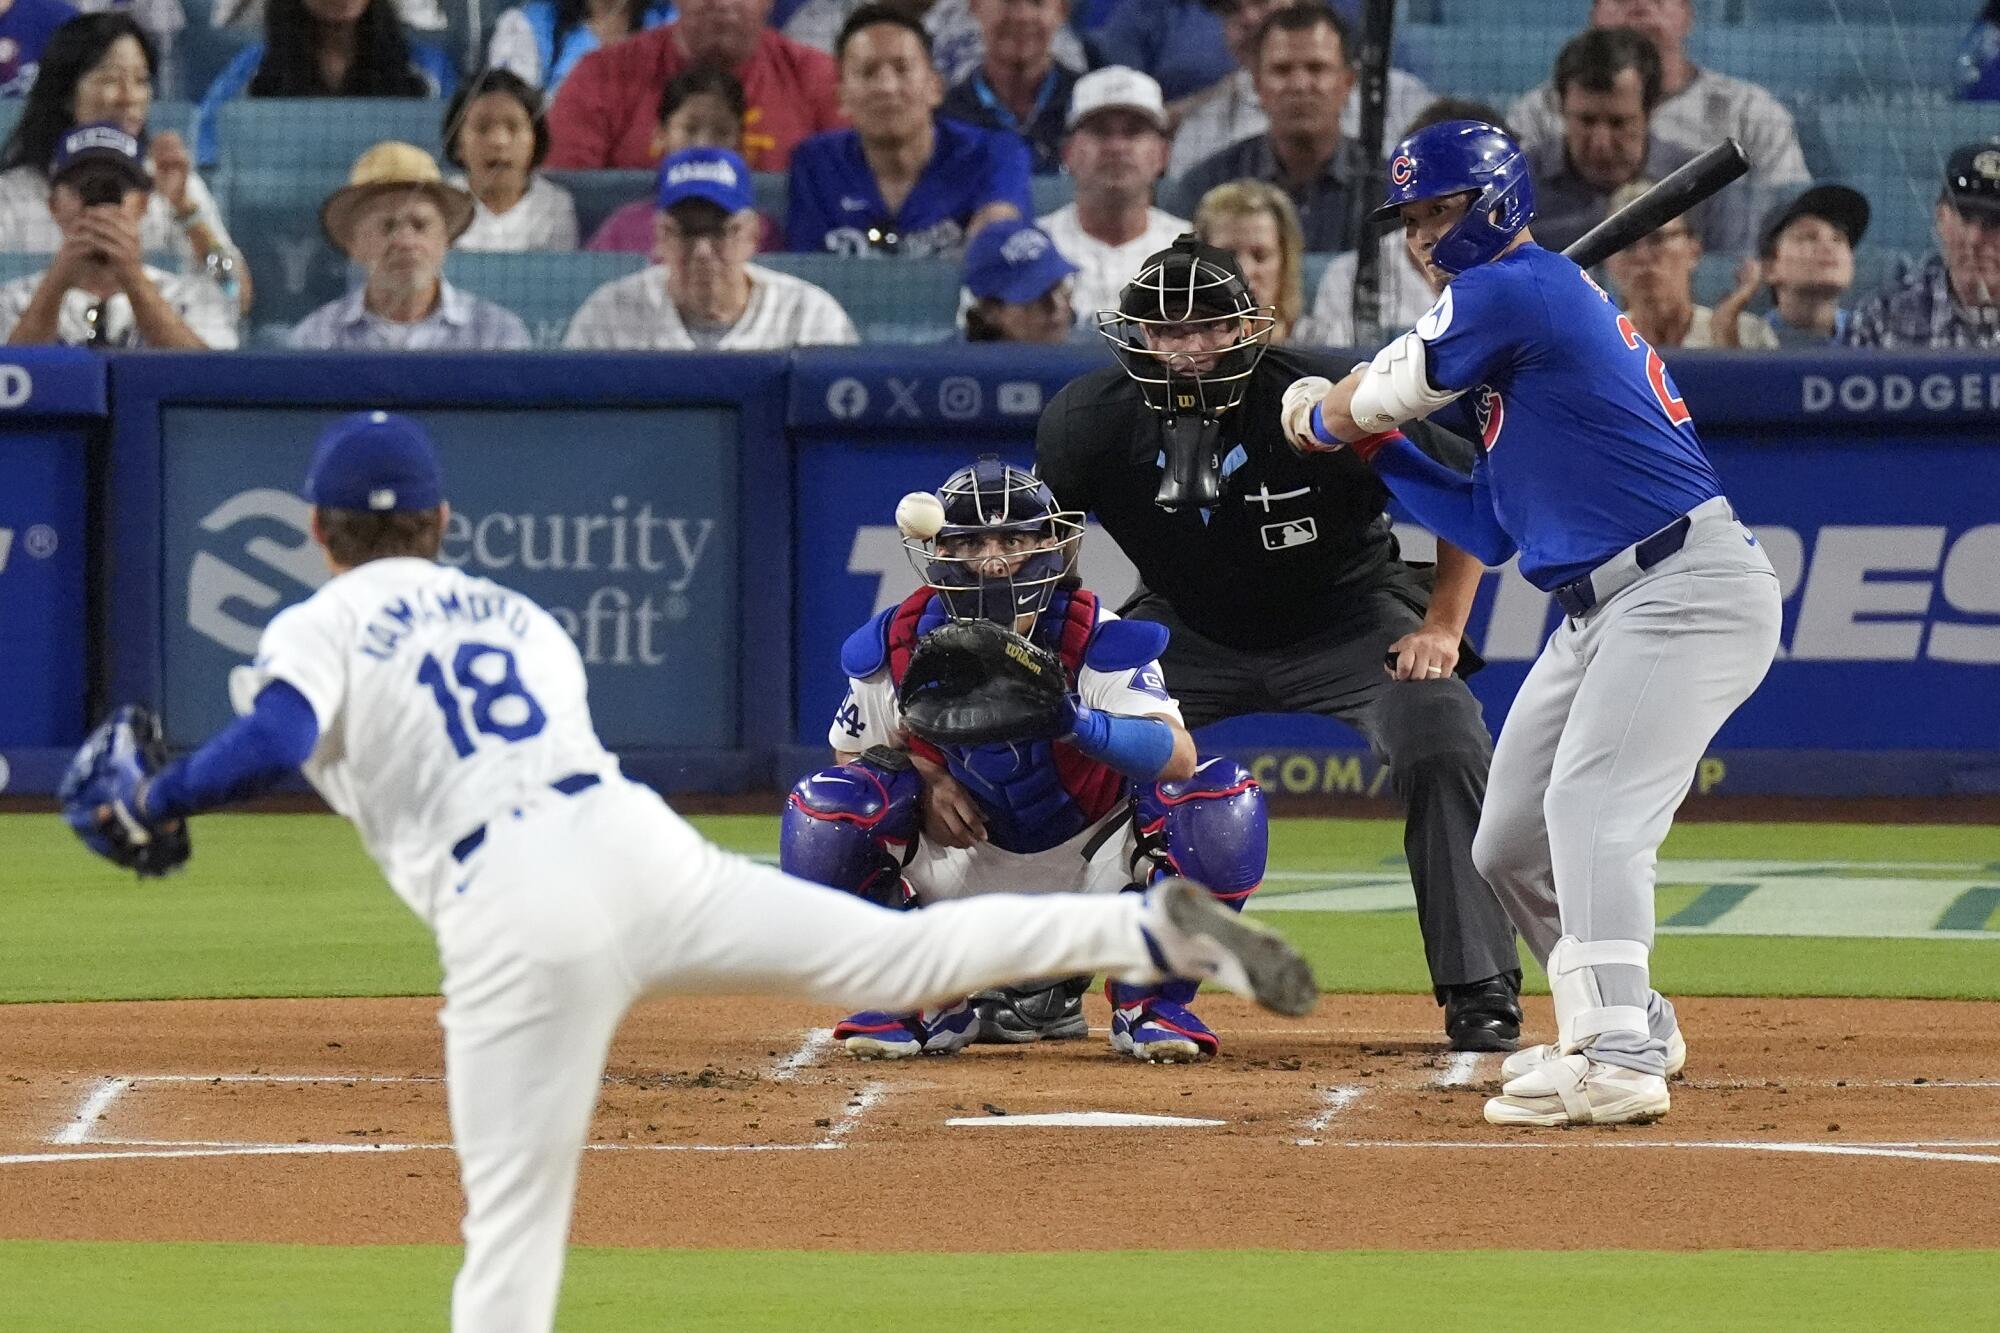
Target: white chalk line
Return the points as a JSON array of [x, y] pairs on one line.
[[1920, 1152], [1332, 1101], [1459, 1071], [90, 1110], [862, 1102], [789, 1068]]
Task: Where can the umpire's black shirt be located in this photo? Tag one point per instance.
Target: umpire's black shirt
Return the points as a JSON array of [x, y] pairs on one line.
[[1293, 540]]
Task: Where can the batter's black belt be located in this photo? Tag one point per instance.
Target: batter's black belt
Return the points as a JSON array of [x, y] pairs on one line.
[[568, 786], [1578, 596]]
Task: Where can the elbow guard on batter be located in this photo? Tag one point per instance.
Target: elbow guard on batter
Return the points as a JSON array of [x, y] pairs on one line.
[[855, 827], [1396, 387]]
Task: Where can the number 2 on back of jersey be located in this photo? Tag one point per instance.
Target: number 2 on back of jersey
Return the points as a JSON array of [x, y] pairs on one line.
[[1656, 372], [500, 705]]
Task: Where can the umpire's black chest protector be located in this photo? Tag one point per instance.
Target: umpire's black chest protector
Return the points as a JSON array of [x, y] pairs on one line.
[[1285, 553]]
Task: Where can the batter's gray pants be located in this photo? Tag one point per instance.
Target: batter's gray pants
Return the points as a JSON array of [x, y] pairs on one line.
[[1430, 733], [1601, 746]]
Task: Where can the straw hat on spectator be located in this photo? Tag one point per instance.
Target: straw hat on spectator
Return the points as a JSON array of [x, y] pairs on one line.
[[385, 169]]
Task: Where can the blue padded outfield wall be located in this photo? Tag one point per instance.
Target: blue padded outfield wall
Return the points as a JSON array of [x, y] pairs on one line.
[[711, 527]]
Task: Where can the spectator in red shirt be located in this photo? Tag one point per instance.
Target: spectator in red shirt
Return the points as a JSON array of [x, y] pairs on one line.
[[605, 113]]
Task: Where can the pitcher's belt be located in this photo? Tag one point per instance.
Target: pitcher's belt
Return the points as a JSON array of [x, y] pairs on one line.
[[568, 786]]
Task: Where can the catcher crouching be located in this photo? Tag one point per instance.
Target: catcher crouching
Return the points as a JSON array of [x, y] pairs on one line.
[[1005, 732]]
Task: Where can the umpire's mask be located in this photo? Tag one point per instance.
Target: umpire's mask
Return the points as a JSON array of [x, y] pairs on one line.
[[1189, 331], [1004, 547]]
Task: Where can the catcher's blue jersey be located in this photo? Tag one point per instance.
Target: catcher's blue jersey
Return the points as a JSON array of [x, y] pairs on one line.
[[1587, 445], [834, 202]]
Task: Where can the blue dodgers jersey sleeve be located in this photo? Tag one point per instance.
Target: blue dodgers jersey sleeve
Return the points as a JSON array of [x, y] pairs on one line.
[[1587, 445], [834, 202]]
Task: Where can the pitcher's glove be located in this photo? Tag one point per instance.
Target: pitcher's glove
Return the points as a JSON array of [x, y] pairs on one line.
[[972, 682], [102, 796]]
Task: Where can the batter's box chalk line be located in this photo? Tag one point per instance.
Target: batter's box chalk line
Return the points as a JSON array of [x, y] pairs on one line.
[[80, 1130]]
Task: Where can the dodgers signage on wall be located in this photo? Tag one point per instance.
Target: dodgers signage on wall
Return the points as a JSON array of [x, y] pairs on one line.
[[622, 522]]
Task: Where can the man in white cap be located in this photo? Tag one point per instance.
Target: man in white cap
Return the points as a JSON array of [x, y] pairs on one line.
[[396, 218], [702, 291], [1116, 152]]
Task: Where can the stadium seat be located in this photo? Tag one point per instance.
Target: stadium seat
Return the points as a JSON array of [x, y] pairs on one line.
[[1051, 192], [164, 116], [599, 194], [301, 134], [1852, 11], [543, 288], [200, 51], [1832, 61], [889, 300], [1475, 61]]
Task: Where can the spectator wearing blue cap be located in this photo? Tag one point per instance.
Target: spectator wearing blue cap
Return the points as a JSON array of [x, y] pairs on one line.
[[25, 27], [702, 292], [396, 217], [98, 290], [1020, 285]]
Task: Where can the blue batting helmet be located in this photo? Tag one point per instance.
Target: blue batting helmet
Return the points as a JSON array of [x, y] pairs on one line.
[[993, 497], [1460, 157]]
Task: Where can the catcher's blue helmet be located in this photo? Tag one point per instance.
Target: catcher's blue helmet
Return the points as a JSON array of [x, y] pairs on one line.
[[994, 496], [1459, 157]]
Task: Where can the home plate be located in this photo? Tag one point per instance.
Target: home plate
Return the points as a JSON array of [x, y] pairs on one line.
[[1089, 1120]]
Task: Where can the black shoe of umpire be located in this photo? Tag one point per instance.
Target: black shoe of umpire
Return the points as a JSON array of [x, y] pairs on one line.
[[1484, 1015], [1013, 1015]]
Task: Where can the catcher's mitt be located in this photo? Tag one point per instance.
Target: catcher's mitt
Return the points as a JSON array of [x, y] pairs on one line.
[[972, 682], [100, 796]]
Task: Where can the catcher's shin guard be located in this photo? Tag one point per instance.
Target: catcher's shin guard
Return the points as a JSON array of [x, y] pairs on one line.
[[1213, 829], [855, 827]]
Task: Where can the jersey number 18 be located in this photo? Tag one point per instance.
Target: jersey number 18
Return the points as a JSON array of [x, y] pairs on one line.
[[500, 704]]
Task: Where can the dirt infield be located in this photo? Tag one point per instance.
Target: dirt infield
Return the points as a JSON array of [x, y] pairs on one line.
[[1800, 1124]]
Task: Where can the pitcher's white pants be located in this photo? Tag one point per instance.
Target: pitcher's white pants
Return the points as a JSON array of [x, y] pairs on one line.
[[574, 907], [1601, 745]]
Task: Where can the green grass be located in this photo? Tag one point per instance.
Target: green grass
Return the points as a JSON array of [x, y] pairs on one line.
[[287, 905], [53, 1287]]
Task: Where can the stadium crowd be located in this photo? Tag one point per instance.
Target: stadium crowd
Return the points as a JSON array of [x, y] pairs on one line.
[[910, 132]]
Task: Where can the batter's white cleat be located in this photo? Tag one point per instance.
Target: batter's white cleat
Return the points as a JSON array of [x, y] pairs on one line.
[[1534, 1057], [1577, 1090], [1194, 936]]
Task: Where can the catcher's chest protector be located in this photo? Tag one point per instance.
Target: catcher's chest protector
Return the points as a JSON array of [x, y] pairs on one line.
[[1035, 794]]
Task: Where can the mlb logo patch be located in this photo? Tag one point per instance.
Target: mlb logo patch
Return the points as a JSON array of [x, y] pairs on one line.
[[1292, 532]]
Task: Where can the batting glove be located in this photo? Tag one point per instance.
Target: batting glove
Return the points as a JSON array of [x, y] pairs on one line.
[[1296, 415]]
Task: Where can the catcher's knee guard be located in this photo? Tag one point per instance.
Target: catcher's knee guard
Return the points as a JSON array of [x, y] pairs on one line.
[[854, 827], [1213, 829]]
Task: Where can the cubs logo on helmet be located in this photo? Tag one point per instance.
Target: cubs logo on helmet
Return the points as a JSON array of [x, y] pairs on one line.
[[1464, 157]]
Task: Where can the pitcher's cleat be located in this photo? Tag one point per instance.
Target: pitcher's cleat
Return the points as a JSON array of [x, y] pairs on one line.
[[1193, 936]]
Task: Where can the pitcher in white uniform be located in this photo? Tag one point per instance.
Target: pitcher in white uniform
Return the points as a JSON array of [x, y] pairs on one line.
[[445, 716]]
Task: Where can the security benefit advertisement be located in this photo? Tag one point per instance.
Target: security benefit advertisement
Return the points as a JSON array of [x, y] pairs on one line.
[[620, 522]]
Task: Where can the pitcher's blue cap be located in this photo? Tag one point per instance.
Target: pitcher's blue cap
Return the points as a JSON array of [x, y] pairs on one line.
[[375, 461], [714, 174]]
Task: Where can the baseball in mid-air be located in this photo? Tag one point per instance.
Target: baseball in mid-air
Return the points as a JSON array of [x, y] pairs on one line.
[[919, 514]]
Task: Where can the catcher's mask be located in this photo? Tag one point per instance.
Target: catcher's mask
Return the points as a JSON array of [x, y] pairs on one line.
[[1190, 333], [1016, 574]]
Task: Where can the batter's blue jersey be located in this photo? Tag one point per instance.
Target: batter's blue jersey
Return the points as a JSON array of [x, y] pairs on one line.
[[1588, 447], [834, 202]]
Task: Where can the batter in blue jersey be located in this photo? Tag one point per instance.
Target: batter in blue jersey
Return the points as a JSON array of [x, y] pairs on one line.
[[1592, 471], [904, 181]]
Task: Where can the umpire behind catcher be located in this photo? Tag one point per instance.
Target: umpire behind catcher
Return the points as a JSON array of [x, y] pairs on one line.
[[1282, 587]]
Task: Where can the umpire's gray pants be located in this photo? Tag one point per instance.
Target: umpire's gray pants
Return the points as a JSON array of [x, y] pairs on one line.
[[1430, 733]]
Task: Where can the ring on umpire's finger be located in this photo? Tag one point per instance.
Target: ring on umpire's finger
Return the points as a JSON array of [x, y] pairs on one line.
[[1433, 670]]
